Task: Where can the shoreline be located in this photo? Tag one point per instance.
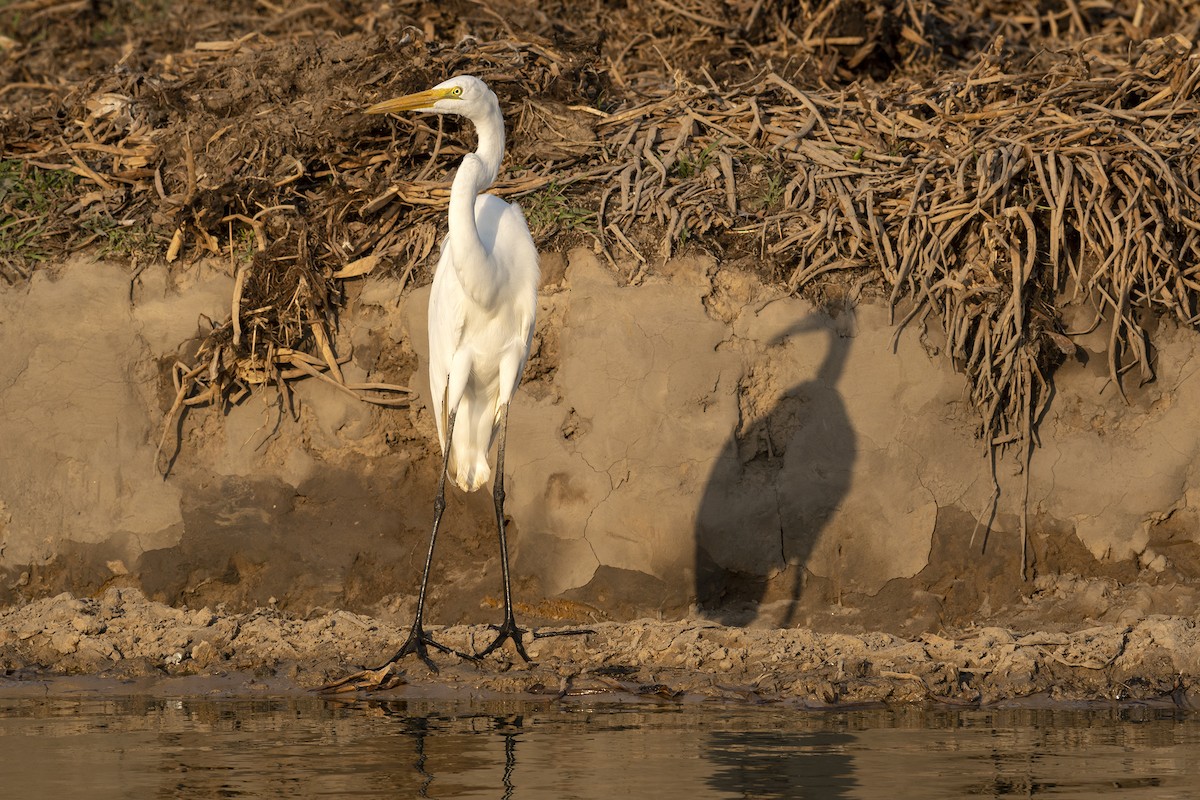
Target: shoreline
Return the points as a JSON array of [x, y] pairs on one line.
[[122, 643]]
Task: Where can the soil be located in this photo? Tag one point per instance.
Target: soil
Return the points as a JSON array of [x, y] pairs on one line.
[[133, 644], [236, 130]]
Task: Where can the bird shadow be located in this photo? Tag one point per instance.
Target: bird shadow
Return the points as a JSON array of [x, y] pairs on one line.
[[775, 486]]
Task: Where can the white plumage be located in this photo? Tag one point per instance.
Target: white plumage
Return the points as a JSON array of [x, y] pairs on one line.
[[481, 316], [484, 298]]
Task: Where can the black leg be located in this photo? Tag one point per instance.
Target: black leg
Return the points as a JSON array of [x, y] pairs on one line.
[[418, 641], [507, 629]]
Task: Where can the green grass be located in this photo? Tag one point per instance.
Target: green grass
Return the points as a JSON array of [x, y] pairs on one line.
[[689, 166], [122, 241], [772, 191], [244, 244], [29, 198], [549, 210], [34, 225]]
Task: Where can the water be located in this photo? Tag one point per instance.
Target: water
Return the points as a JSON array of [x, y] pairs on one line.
[[107, 746]]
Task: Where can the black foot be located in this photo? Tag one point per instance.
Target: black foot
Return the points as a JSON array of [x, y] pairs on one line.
[[418, 643], [507, 630], [385, 676]]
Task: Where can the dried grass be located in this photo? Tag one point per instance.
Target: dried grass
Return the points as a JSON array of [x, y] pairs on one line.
[[981, 190], [982, 203]]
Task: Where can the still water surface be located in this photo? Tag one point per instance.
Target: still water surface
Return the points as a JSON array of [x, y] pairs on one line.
[[144, 747]]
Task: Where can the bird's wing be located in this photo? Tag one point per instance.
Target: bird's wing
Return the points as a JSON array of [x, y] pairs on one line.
[[447, 319], [516, 255], [525, 251]]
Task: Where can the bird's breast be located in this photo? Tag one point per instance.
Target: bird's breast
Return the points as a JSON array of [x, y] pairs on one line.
[[493, 335]]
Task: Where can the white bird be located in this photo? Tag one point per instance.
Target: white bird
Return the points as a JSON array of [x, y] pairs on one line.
[[481, 317]]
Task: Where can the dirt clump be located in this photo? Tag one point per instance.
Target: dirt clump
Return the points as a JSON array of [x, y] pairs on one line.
[[122, 635]]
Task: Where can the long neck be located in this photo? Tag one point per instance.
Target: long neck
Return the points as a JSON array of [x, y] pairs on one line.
[[490, 128], [477, 172]]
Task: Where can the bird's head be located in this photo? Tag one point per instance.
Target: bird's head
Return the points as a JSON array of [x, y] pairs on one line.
[[465, 95]]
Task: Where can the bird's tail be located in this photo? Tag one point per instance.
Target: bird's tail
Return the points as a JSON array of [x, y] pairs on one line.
[[470, 475], [474, 429]]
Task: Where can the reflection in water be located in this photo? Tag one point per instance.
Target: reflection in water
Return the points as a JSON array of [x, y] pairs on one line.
[[782, 764], [311, 747]]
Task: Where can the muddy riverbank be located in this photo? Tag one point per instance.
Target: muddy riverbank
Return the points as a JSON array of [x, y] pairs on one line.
[[122, 641]]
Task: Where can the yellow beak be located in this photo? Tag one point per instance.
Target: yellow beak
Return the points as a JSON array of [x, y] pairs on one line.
[[410, 102]]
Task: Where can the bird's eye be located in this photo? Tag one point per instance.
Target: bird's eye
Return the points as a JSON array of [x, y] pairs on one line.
[[456, 91]]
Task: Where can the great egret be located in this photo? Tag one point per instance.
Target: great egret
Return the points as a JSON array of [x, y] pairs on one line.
[[481, 315]]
